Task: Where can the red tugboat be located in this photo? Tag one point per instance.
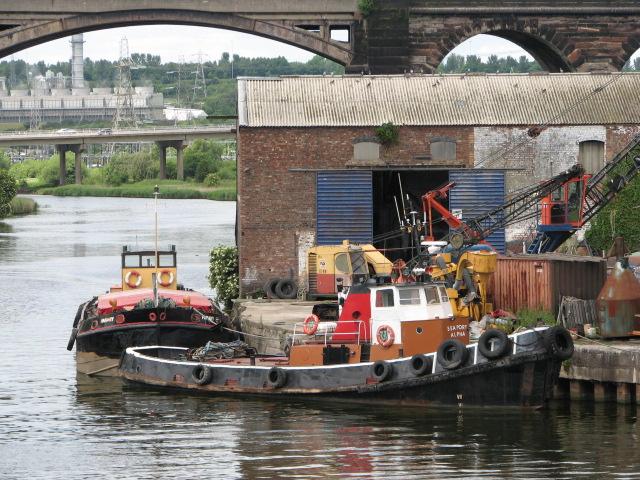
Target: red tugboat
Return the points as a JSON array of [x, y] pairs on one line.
[[396, 343]]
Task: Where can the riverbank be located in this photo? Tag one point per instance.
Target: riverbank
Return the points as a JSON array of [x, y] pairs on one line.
[[168, 189], [22, 206]]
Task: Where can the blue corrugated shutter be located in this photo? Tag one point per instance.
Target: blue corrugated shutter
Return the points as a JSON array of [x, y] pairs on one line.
[[476, 192], [344, 207]]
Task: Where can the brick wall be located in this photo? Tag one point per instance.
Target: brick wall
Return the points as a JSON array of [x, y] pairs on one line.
[[276, 207]]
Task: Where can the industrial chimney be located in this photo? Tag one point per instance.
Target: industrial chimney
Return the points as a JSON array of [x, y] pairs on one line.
[[77, 62]]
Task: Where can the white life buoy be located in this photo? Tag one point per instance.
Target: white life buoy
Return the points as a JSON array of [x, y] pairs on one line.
[[129, 280], [167, 282]]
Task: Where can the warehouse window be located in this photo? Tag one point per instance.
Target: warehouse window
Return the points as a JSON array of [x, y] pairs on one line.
[[366, 149], [443, 149], [591, 155]]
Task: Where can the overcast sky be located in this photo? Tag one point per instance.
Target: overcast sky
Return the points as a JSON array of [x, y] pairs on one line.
[[173, 41]]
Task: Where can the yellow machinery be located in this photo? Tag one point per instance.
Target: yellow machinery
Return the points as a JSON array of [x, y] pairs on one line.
[[331, 267]]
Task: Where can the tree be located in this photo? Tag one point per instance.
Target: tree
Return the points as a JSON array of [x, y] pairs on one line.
[[201, 158], [8, 190], [5, 161]]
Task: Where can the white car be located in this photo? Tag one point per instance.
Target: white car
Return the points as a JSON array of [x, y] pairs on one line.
[[66, 130]]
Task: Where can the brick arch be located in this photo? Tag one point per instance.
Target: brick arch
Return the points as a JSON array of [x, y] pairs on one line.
[[550, 49], [14, 40]]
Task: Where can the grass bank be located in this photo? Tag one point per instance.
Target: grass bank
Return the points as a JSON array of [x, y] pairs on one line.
[[23, 206], [168, 189]]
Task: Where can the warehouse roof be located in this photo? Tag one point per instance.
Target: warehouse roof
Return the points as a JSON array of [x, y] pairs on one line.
[[463, 99]]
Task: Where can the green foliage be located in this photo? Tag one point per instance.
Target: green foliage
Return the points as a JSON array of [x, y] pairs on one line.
[[26, 169], [454, 63], [50, 170], [116, 171], [367, 7], [5, 161], [211, 180], [388, 134], [23, 206], [8, 190], [530, 318], [201, 158], [620, 218], [223, 274]]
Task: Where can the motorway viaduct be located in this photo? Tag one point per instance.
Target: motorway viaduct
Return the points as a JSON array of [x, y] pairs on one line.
[[398, 36]]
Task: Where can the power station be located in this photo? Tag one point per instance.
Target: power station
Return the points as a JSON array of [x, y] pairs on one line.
[[55, 98]]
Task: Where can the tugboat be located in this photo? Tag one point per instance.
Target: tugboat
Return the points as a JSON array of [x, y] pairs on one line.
[[149, 307], [395, 343]]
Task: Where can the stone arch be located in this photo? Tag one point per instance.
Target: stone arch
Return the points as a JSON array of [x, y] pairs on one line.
[[19, 38], [554, 53]]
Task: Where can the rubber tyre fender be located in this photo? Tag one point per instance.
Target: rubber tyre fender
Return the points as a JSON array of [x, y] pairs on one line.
[[270, 288], [459, 357], [420, 364], [202, 375], [500, 340], [381, 370], [72, 338], [286, 289], [277, 377], [558, 342]]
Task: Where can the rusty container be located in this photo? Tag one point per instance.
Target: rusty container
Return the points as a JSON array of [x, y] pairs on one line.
[[618, 304], [538, 282]]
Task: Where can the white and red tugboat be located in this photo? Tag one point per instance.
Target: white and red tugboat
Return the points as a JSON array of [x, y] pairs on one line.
[[397, 343]]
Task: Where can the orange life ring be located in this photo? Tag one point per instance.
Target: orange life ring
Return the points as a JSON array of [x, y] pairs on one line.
[[385, 336], [169, 281], [163, 316], [310, 326], [119, 318], [152, 316], [128, 278]]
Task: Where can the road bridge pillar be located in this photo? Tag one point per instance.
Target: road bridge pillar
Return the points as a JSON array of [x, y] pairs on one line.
[[79, 151], [180, 160], [163, 161], [62, 154]]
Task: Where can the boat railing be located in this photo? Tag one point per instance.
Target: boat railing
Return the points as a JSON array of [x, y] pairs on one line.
[[326, 333]]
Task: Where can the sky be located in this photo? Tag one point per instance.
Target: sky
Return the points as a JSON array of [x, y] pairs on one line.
[[172, 42]]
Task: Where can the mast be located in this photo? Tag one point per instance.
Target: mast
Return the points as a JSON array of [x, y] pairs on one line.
[[156, 192]]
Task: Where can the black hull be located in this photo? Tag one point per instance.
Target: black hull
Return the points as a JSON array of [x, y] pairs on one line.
[[525, 377]]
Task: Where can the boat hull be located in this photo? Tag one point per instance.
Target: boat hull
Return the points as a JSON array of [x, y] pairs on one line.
[[524, 377]]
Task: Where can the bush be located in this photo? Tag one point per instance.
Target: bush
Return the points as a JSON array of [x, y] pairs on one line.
[[223, 275], [367, 7], [388, 134], [27, 169], [212, 180], [8, 190], [5, 161], [22, 206], [201, 158], [50, 172], [227, 171], [141, 166]]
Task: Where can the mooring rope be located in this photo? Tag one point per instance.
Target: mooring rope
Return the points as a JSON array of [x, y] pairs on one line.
[[600, 343], [250, 334]]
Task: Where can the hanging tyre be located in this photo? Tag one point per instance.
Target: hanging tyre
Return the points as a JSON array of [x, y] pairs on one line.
[[558, 342], [493, 344], [420, 364], [381, 370], [286, 288], [202, 375], [276, 378], [452, 354], [270, 288]]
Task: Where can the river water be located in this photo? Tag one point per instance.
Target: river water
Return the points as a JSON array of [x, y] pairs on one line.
[[54, 424]]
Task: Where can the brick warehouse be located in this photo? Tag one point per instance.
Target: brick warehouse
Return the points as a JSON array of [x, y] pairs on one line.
[[308, 156]]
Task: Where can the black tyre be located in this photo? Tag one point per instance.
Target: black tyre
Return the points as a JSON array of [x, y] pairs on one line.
[[277, 377], [420, 364], [452, 354], [558, 342], [381, 370], [493, 344], [270, 288], [286, 288], [202, 375]]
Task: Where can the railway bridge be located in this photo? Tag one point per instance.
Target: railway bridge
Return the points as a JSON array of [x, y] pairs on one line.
[[393, 36]]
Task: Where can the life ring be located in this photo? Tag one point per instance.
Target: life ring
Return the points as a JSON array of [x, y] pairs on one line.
[[452, 354], [277, 377], [163, 316], [558, 342], [120, 319], [169, 281], [152, 316], [196, 317], [129, 280], [493, 344], [385, 336], [94, 324], [311, 323]]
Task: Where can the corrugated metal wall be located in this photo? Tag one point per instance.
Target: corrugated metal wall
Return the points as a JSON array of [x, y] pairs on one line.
[[344, 207], [476, 192]]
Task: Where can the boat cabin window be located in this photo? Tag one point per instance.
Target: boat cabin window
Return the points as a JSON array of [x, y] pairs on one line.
[[132, 260], [166, 261], [443, 294], [148, 260], [432, 295], [384, 298], [409, 296], [342, 263]]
